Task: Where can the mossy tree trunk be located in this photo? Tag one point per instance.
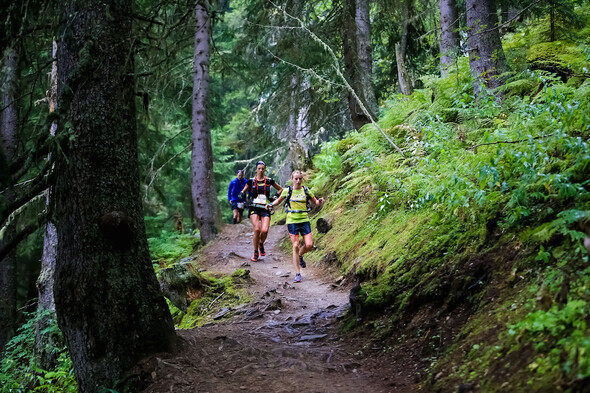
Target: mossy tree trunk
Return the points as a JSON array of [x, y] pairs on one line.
[[108, 302], [8, 133], [486, 56], [203, 188]]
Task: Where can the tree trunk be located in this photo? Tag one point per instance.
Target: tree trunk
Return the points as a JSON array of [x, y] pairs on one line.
[[297, 131], [449, 38], [8, 133], [486, 56], [203, 187], [405, 83], [551, 21], [351, 62], [108, 302], [365, 55], [46, 303]]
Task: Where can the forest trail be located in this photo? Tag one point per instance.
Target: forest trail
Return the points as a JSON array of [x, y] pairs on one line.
[[285, 340]]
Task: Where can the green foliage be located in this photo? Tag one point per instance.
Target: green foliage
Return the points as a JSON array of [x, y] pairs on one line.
[[561, 334], [558, 56], [19, 370], [168, 247], [478, 175], [220, 292]]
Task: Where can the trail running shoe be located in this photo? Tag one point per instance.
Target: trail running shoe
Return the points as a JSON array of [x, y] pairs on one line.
[[302, 262], [297, 278], [255, 257], [262, 251]]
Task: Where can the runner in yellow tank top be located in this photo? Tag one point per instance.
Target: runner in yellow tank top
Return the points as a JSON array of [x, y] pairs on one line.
[[298, 219]]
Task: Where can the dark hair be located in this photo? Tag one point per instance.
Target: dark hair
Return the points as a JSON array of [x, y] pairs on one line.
[[260, 163], [240, 171]]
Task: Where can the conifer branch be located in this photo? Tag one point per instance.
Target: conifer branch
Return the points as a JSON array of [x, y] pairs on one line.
[[37, 190], [21, 235], [336, 67], [157, 171]]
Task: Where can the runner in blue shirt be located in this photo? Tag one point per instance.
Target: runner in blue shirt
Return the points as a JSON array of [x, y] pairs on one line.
[[233, 196]]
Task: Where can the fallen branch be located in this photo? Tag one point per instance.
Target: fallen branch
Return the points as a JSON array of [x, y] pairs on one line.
[[500, 142], [214, 300]]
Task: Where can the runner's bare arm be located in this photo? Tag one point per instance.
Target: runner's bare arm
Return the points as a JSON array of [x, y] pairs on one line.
[[278, 187], [318, 202], [278, 201]]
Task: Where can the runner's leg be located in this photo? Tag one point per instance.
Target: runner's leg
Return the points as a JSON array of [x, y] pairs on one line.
[[308, 244], [264, 225], [295, 243], [255, 220]]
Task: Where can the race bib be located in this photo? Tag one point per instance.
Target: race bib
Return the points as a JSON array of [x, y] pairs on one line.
[[260, 199]]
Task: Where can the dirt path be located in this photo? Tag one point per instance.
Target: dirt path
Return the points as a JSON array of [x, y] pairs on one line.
[[286, 340]]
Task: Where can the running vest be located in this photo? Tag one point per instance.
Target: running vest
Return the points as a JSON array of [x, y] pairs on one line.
[[288, 201], [256, 189]]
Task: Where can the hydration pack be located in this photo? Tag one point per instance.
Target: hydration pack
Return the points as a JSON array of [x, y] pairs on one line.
[[254, 190], [288, 201]]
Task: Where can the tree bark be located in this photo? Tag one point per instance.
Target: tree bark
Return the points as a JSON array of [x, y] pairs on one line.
[[365, 54], [8, 133], [351, 63], [108, 302], [297, 131], [486, 56], [203, 188], [46, 303], [449, 38], [405, 83]]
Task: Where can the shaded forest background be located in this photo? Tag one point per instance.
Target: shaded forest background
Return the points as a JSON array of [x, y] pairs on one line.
[[465, 122]]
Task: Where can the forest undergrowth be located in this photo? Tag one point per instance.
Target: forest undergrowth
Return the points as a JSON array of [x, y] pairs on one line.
[[486, 213], [481, 224]]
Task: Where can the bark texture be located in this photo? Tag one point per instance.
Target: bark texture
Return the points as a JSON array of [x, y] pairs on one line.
[[352, 64], [108, 301], [365, 54], [8, 133], [203, 188], [449, 37], [297, 131], [405, 83], [46, 303], [486, 56]]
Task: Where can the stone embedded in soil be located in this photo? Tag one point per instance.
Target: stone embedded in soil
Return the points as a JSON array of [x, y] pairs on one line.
[[222, 313], [312, 337]]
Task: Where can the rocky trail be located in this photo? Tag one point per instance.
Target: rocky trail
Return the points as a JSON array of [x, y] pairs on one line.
[[287, 339]]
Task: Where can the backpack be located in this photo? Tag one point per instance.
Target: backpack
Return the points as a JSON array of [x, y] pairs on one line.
[[288, 201]]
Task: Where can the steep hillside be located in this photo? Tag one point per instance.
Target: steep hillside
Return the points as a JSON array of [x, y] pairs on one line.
[[471, 246]]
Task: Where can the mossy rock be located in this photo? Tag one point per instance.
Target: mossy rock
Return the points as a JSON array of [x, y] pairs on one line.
[[556, 57], [403, 131], [345, 145]]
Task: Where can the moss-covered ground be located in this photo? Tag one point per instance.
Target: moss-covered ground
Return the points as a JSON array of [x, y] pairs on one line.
[[477, 232]]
